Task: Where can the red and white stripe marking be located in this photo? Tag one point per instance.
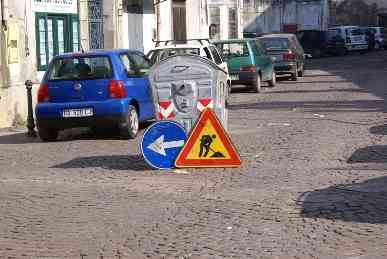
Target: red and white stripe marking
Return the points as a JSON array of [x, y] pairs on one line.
[[166, 109], [205, 103]]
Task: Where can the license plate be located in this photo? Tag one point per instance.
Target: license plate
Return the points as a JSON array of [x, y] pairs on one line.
[[76, 113], [234, 77]]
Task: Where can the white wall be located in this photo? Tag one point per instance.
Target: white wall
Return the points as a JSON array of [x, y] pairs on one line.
[[148, 31], [165, 18]]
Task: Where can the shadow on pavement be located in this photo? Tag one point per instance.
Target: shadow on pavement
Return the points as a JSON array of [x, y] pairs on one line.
[[17, 138], [364, 202], [370, 154], [354, 90], [379, 130], [315, 106], [114, 162]]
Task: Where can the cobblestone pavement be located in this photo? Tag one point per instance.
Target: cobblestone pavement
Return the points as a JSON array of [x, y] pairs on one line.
[[313, 182]]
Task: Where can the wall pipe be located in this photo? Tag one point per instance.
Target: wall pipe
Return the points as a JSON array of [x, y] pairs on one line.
[[4, 13]]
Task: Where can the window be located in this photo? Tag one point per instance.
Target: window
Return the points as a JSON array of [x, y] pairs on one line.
[[218, 60], [233, 50], [156, 56], [208, 54], [260, 48], [275, 43], [135, 64], [80, 68], [55, 34]]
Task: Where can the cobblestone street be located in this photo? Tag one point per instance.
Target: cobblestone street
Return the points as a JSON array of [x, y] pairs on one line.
[[313, 182]]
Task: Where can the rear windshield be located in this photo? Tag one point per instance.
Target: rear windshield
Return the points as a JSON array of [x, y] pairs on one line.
[[158, 55], [231, 50], [356, 32], [333, 33], [80, 68], [275, 43]]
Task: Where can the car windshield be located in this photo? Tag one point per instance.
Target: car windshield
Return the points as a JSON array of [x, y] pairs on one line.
[[333, 33], [232, 50], [275, 43], [80, 68], [161, 54], [356, 32]]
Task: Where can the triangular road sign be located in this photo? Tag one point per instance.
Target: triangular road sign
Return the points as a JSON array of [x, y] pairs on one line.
[[208, 145]]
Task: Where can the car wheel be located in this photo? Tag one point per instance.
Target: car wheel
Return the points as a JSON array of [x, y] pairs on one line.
[[342, 51], [132, 125], [301, 72], [273, 80], [46, 134], [294, 75], [257, 85]]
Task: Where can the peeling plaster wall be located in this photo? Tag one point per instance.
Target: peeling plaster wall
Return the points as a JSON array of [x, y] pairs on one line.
[[13, 100]]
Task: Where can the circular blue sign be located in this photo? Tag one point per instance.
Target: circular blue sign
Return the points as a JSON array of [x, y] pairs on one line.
[[161, 143]]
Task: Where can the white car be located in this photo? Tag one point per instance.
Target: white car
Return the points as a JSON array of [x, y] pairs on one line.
[[354, 37], [200, 47]]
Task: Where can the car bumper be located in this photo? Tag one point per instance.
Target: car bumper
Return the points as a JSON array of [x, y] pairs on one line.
[[105, 113], [94, 121], [243, 78], [357, 47], [284, 68]]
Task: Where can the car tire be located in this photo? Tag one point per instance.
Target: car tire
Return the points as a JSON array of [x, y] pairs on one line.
[[342, 52], [257, 86], [294, 75], [300, 73], [273, 81], [132, 124], [47, 134]]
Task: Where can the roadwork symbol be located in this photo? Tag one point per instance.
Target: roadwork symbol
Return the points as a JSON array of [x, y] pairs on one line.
[[208, 145]]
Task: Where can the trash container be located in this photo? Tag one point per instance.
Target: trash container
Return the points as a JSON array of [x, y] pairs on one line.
[[184, 85]]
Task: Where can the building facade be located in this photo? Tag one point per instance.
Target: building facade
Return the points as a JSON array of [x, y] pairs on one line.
[[34, 31], [182, 19], [267, 16], [226, 19]]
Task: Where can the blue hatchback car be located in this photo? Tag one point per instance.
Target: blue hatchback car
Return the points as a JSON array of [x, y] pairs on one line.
[[95, 89]]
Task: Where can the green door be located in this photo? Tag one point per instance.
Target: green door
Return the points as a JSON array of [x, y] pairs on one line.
[[263, 61], [55, 34]]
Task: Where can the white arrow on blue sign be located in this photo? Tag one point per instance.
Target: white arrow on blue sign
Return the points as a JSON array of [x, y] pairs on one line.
[[161, 143]]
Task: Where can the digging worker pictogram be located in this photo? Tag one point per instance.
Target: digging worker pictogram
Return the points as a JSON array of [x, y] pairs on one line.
[[205, 146]]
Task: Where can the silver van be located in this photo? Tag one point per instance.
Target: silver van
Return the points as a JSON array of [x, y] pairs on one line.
[[354, 37]]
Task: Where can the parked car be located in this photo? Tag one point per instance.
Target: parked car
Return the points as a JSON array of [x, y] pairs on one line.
[[379, 35], [287, 52], [319, 43], [95, 89], [355, 39], [247, 62], [200, 47]]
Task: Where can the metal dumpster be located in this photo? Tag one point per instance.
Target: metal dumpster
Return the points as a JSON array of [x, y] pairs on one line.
[[184, 85]]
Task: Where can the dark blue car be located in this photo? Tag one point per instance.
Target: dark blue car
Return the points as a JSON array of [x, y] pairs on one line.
[[95, 89]]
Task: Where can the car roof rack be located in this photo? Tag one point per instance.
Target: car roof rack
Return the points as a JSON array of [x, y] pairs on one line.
[[174, 42]]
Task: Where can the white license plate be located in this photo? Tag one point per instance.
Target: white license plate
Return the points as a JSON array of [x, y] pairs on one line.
[[76, 113], [234, 77]]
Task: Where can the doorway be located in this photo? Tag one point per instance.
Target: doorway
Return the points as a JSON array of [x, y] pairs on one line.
[[179, 20]]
